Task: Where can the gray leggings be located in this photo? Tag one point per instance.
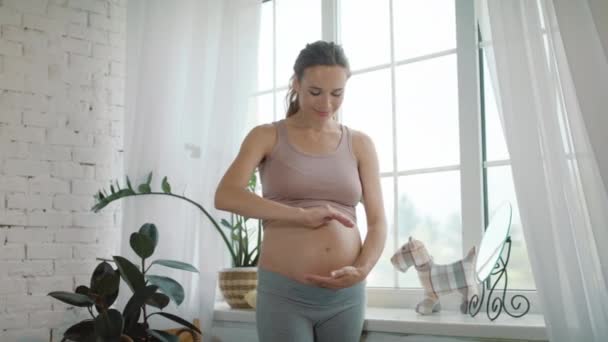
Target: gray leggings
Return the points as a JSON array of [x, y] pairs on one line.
[[289, 311]]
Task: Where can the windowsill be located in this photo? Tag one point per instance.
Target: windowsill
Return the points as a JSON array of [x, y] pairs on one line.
[[446, 323]]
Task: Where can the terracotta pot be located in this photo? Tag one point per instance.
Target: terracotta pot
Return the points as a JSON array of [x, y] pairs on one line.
[[235, 283]]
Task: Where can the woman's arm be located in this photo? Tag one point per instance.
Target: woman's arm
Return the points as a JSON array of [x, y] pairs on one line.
[[232, 194], [372, 201]]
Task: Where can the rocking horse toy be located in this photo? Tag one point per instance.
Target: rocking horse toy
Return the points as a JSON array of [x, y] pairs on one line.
[[436, 279]]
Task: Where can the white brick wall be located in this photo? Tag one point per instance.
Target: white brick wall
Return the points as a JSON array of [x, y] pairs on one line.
[[61, 134]]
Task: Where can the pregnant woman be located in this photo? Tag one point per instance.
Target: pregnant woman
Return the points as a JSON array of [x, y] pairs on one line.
[[314, 171]]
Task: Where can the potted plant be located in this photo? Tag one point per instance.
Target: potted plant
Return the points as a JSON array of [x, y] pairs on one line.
[[242, 236], [235, 282], [110, 324]]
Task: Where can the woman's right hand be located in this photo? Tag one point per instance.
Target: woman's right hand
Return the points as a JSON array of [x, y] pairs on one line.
[[315, 217]]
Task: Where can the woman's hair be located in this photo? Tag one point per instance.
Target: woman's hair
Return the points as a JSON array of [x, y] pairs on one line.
[[317, 53]]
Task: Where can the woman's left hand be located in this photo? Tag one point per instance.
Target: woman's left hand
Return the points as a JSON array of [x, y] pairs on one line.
[[344, 277]]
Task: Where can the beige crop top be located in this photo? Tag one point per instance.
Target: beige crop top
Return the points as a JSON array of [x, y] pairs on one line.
[[299, 179]]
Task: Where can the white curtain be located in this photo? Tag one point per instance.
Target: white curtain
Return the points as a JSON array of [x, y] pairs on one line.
[[550, 71], [191, 67]]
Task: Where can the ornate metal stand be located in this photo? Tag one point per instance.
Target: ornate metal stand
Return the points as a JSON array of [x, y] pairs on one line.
[[495, 302]]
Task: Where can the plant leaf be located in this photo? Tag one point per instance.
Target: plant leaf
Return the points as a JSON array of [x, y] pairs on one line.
[[163, 335], [175, 264], [129, 184], [142, 245], [144, 189], [71, 298], [149, 230], [158, 300], [170, 287], [149, 178], [132, 310], [178, 320], [81, 332], [130, 273], [166, 186], [109, 324]]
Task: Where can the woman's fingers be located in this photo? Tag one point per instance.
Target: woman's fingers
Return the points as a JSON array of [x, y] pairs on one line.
[[344, 220]]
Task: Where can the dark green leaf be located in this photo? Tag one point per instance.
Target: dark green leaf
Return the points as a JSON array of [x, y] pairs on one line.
[[136, 302], [81, 332], [129, 184], [175, 264], [158, 300], [142, 245], [149, 178], [178, 320], [226, 224], [83, 290], [144, 189], [149, 230], [109, 324], [170, 287], [102, 270], [75, 299], [130, 273], [166, 186], [112, 189], [163, 336]]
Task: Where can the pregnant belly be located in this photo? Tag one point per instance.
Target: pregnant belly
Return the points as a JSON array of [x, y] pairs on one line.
[[296, 251]]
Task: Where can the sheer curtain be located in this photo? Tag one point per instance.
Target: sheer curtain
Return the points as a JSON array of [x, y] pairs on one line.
[[190, 71], [549, 68]]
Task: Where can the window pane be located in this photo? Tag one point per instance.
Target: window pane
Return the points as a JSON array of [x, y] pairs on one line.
[[281, 104], [427, 114], [382, 275], [367, 107], [496, 147], [366, 43], [298, 23], [261, 110], [423, 27], [429, 211], [265, 48], [500, 189]]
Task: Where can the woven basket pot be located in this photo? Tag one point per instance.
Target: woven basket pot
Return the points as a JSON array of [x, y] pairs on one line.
[[235, 283]]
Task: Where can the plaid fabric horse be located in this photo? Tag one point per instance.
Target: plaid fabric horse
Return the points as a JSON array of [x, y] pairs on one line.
[[437, 279]]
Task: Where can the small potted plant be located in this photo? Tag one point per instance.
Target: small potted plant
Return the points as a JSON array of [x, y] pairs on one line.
[[110, 324], [242, 236]]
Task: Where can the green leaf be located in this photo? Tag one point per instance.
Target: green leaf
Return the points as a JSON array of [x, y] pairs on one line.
[[129, 184], [130, 273], [112, 189], [149, 230], [109, 324], [132, 310], [163, 336], [142, 245], [83, 331], [170, 287], [102, 270], [226, 224], [149, 178], [175, 264], [177, 319], [166, 186], [158, 300], [75, 299], [144, 188]]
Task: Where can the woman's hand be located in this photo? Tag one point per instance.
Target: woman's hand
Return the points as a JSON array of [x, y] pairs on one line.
[[317, 216], [345, 277]]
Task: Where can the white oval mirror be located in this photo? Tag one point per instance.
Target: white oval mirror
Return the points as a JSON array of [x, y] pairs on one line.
[[493, 241]]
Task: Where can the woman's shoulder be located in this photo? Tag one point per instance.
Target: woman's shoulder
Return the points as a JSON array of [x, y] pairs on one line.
[[264, 135], [361, 141]]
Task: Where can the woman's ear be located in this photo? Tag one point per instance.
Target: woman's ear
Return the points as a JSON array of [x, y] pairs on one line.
[[295, 84]]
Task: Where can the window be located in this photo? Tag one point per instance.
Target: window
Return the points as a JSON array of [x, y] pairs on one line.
[[413, 91]]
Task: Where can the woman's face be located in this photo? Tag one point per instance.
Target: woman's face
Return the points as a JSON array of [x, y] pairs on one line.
[[321, 90]]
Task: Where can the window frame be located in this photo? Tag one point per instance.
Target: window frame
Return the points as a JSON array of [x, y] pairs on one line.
[[472, 167]]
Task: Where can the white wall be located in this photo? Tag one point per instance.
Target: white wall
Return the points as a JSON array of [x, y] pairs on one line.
[[61, 127]]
